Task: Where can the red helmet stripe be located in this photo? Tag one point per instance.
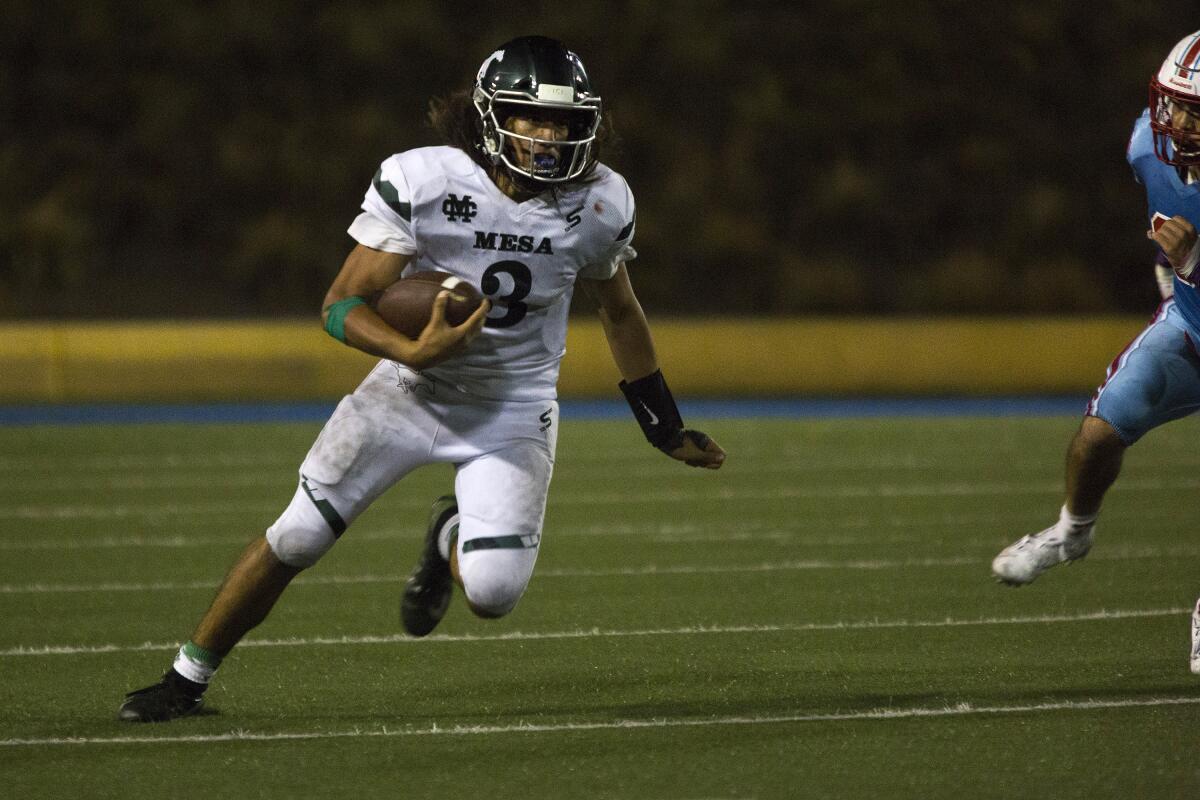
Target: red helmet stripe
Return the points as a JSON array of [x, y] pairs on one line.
[[1187, 63]]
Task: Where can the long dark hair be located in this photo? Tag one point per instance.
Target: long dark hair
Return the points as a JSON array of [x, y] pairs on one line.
[[456, 121]]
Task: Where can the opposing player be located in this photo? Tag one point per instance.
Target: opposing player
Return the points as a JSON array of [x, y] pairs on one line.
[[517, 203], [1156, 378]]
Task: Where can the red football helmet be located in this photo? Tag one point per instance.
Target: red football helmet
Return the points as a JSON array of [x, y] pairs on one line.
[[1175, 105]]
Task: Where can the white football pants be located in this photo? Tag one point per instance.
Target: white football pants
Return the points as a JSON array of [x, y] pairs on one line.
[[397, 420]]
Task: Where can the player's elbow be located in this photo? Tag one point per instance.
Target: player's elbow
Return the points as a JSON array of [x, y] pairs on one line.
[[619, 314]]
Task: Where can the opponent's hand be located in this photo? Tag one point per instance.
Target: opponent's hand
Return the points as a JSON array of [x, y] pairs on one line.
[[698, 450], [1178, 240], [439, 340]]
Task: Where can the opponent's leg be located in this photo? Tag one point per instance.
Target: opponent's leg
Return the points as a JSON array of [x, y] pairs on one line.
[[1093, 463], [1194, 654], [1156, 379]]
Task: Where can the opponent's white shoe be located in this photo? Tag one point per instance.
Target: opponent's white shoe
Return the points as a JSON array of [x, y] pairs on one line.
[[1195, 660], [1030, 556]]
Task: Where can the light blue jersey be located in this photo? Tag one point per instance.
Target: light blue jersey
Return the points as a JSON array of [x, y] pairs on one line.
[[1169, 196]]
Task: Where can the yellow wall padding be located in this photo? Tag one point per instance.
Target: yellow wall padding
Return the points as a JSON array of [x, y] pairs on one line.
[[290, 360]]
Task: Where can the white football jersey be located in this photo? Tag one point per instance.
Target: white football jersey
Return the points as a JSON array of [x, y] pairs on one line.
[[438, 205]]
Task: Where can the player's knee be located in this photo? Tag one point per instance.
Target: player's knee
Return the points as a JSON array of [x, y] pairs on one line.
[[494, 580], [301, 535], [1097, 435]]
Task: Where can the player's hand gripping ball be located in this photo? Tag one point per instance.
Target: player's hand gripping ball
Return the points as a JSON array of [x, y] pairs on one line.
[[406, 305]]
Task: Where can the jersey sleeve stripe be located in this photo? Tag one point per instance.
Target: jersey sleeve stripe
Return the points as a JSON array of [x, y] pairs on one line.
[[390, 196], [624, 234]]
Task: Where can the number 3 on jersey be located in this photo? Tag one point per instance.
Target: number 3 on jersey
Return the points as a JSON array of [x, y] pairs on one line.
[[514, 309]]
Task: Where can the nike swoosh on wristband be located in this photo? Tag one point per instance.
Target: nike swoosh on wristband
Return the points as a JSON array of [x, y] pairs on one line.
[[646, 408]]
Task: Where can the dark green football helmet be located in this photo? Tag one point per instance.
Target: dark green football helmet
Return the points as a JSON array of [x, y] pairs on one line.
[[537, 78]]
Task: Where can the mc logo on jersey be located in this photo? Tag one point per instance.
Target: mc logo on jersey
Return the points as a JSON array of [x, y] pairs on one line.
[[459, 210], [511, 243]]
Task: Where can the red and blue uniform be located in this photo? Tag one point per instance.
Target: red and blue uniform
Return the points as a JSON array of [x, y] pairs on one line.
[[1156, 378]]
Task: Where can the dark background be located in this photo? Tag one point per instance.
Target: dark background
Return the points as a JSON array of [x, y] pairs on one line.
[[204, 159]]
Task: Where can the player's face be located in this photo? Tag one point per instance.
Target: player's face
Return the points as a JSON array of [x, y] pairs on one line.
[[528, 154], [1185, 119]]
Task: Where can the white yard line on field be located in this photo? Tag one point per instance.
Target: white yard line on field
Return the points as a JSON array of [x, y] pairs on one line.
[[400, 537], [278, 475], [590, 498], [958, 710], [800, 627], [1113, 554], [807, 529], [59, 483], [645, 569], [150, 462], [799, 528]]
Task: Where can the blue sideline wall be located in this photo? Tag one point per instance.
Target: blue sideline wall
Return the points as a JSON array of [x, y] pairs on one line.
[[295, 360]]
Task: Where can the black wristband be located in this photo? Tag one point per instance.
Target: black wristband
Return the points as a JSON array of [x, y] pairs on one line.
[[654, 408]]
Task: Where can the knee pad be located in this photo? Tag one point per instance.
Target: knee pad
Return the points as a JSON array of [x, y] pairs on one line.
[[302, 534], [494, 580]]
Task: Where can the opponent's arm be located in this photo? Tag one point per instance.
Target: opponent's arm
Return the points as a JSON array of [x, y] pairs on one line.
[[348, 318], [632, 348]]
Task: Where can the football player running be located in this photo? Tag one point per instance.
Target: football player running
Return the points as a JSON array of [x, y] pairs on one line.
[[517, 203], [1156, 378]]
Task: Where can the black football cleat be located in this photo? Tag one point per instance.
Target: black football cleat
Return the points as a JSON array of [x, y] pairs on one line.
[[428, 589], [173, 696]]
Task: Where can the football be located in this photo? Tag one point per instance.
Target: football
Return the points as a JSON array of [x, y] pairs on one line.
[[407, 303]]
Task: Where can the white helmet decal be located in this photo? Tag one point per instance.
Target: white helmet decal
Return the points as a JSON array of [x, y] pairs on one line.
[[1181, 70], [487, 62]]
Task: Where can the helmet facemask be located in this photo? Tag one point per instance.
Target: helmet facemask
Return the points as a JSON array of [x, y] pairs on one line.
[[544, 160], [1175, 121]]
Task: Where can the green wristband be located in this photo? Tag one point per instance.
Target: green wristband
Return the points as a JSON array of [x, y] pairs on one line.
[[335, 319]]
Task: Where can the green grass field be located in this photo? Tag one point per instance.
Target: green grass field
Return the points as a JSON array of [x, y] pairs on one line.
[[815, 620]]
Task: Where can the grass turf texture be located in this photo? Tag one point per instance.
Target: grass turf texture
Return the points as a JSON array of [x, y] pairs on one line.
[[816, 619]]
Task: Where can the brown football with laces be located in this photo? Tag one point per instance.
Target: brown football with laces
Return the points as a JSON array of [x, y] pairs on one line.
[[407, 304]]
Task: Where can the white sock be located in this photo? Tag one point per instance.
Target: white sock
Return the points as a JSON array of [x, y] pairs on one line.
[[1075, 523], [195, 663], [448, 532]]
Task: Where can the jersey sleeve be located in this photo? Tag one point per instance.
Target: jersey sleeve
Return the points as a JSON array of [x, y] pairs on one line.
[[1140, 147], [386, 223], [620, 222]]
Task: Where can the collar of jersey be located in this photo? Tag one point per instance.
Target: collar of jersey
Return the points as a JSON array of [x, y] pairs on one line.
[[537, 201]]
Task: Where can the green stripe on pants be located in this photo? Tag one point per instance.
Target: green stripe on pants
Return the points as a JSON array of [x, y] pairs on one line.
[[502, 543], [336, 523]]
